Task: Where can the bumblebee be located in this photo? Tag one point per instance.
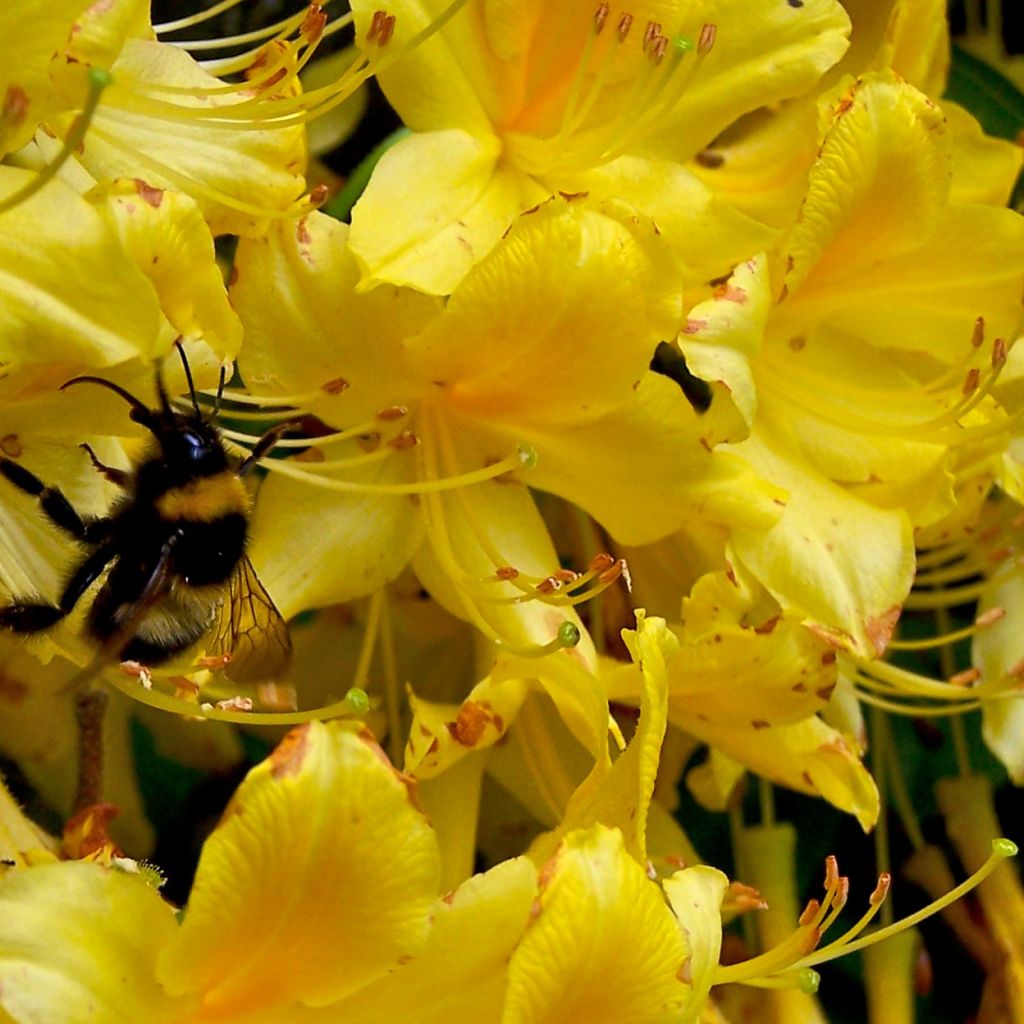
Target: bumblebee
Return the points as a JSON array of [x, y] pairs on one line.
[[173, 548]]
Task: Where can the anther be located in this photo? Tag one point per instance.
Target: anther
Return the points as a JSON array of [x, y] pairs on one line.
[[392, 412], [318, 195], [978, 336], [387, 30], [601, 16], [810, 913], [965, 678], [336, 386], [625, 24], [659, 49], [601, 563], [831, 871], [992, 615], [369, 442], [613, 572], [375, 25], [971, 381], [235, 704], [506, 572], [566, 575], [406, 439], [998, 354], [313, 24], [549, 585], [706, 39], [651, 35], [881, 890]]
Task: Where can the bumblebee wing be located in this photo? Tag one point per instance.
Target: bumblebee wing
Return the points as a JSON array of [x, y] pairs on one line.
[[250, 629]]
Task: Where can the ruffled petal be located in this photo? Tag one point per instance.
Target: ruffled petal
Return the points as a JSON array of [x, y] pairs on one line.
[[695, 895], [239, 178], [762, 53], [320, 878], [556, 326], [842, 564], [30, 33], [87, 306], [165, 234], [461, 975], [601, 944], [457, 200], [79, 943]]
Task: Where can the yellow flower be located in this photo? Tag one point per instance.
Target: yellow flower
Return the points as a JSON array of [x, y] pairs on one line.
[[423, 402], [752, 686], [881, 351], [511, 105]]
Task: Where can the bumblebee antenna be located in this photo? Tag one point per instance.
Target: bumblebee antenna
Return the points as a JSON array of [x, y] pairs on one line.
[[188, 377], [140, 413], [220, 391]]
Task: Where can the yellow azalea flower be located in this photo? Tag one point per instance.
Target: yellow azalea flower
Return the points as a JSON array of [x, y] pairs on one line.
[[752, 689], [130, 106], [444, 399], [918, 297], [510, 106], [761, 163], [348, 921], [360, 909]]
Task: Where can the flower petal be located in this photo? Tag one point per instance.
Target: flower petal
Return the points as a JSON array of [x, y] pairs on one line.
[[602, 945], [462, 200], [832, 558], [461, 974], [319, 879], [165, 234], [79, 944]]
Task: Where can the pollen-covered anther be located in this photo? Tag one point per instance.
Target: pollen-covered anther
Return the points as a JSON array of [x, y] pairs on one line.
[[971, 381], [998, 354], [335, 386], [991, 616], [369, 442], [506, 572], [549, 585], [318, 195], [881, 890], [392, 413], [600, 563], [978, 334], [652, 33], [706, 39], [625, 24], [601, 16], [406, 439], [965, 678], [566, 575], [382, 28], [375, 24], [810, 913], [214, 662], [313, 24], [613, 572], [831, 871], [236, 703]]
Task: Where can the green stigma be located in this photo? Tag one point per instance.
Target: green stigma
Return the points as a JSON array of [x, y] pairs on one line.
[[1004, 847], [358, 701], [808, 981], [568, 634]]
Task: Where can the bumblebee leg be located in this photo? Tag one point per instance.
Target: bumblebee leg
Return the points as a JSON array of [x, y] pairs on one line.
[[57, 508], [34, 616], [264, 445], [114, 475]]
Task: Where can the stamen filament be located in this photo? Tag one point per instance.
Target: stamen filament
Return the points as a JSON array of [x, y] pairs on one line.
[[98, 81], [198, 18]]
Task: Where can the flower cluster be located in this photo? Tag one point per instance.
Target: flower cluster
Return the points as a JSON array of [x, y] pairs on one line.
[[645, 413]]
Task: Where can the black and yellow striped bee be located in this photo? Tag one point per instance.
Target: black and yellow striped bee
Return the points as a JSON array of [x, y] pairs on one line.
[[173, 549]]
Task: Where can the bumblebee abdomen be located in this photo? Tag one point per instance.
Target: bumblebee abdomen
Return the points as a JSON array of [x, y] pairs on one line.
[[208, 552]]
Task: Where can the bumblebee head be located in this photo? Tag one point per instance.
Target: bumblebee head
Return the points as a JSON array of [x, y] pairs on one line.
[[190, 444]]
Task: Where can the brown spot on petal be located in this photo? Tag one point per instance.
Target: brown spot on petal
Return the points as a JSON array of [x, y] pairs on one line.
[[12, 690], [11, 446], [880, 628], [287, 757], [302, 232], [768, 625], [825, 693], [760, 723], [15, 108], [828, 658], [694, 326], [153, 196], [799, 687], [731, 293]]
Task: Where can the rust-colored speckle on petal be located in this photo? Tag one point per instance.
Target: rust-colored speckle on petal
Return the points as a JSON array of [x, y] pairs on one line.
[[879, 629], [15, 107], [828, 658], [287, 757], [730, 293], [825, 693], [302, 232], [11, 446], [471, 724], [694, 326], [149, 194], [760, 723], [12, 690]]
